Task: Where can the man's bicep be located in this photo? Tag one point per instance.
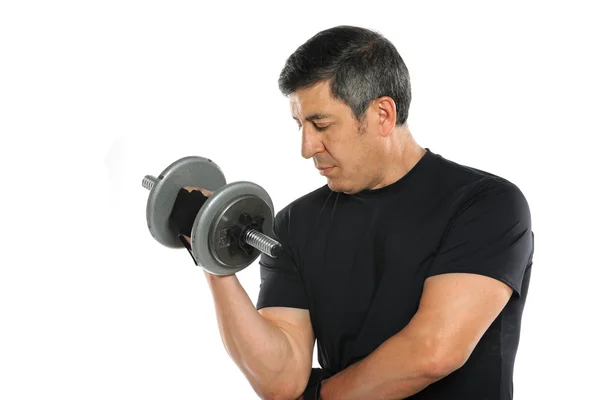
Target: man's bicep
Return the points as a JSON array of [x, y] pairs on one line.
[[455, 311], [282, 297], [295, 323], [491, 235]]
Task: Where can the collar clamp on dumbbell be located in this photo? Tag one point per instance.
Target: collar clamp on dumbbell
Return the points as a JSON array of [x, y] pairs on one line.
[[237, 233]]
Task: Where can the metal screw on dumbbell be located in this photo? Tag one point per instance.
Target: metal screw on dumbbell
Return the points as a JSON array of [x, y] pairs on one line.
[[236, 219], [148, 182]]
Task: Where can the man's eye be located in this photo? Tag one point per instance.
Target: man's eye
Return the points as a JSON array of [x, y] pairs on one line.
[[318, 128]]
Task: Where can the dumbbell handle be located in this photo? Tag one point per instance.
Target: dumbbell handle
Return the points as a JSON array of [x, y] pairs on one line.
[[254, 238]]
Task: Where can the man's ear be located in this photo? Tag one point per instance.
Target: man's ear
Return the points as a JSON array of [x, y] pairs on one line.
[[386, 114]]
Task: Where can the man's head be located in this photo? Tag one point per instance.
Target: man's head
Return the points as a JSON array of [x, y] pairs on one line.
[[349, 91]]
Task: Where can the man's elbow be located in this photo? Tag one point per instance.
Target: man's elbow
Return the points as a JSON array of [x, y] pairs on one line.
[[441, 361], [284, 391], [280, 395]]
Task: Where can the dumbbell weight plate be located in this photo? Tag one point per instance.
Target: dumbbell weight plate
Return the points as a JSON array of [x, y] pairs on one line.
[[221, 211], [219, 241], [187, 171]]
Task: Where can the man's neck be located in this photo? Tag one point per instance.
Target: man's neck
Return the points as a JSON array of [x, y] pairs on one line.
[[402, 158]]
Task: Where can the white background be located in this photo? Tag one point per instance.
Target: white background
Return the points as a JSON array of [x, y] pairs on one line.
[[95, 95]]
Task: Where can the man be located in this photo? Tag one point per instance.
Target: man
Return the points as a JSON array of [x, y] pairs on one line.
[[410, 270]]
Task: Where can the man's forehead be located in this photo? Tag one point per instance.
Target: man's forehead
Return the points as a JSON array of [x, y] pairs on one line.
[[310, 113], [312, 117], [312, 103]]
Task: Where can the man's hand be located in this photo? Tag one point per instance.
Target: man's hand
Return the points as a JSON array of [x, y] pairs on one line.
[[205, 192]]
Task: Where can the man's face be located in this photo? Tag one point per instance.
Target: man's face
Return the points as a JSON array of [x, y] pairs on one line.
[[332, 137]]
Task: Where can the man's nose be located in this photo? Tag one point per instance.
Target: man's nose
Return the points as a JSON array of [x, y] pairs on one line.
[[311, 143]]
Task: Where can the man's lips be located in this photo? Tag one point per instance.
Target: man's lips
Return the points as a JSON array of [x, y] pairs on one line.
[[325, 170]]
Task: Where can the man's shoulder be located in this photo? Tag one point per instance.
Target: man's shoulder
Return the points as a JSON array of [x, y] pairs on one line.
[[304, 205], [461, 171], [469, 192], [465, 180]]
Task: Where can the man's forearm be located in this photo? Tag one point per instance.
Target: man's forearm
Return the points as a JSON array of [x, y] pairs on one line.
[[261, 350], [398, 368]]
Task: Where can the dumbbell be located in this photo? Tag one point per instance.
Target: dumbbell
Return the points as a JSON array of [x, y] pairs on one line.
[[231, 228]]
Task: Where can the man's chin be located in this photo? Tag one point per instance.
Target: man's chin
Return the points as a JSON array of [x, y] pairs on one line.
[[335, 186]]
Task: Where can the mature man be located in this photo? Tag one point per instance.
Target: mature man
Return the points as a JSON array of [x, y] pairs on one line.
[[409, 270]]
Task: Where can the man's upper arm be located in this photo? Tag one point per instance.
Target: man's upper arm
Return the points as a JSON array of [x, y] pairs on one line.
[[295, 323], [282, 298], [490, 235], [282, 284], [454, 312], [480, 264]]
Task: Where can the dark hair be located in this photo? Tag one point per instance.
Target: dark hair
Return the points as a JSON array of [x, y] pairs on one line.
[[361, 65]]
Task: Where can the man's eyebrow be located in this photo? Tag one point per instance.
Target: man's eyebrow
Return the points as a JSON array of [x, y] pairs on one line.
[[314, 117]]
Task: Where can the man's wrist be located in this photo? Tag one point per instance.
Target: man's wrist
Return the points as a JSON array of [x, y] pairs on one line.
[[313, 392], [319, 395]]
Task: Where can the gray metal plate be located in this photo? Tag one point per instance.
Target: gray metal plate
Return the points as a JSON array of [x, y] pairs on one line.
[[218, 240], [225, 202], [187, 171]]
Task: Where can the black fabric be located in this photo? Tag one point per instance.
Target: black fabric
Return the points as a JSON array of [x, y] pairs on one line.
[[358, 263], [313, 388], [186, 207], [188, 247], [312, 392]]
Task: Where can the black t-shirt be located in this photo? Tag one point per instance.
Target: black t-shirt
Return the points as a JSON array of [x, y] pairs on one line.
[[358, 263]]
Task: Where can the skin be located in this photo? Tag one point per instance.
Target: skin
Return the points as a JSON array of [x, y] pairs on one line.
[[455, 309], [369, 154]]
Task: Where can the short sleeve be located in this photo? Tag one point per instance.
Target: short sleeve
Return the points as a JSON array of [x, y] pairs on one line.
[[281, 282], [490, 234]]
